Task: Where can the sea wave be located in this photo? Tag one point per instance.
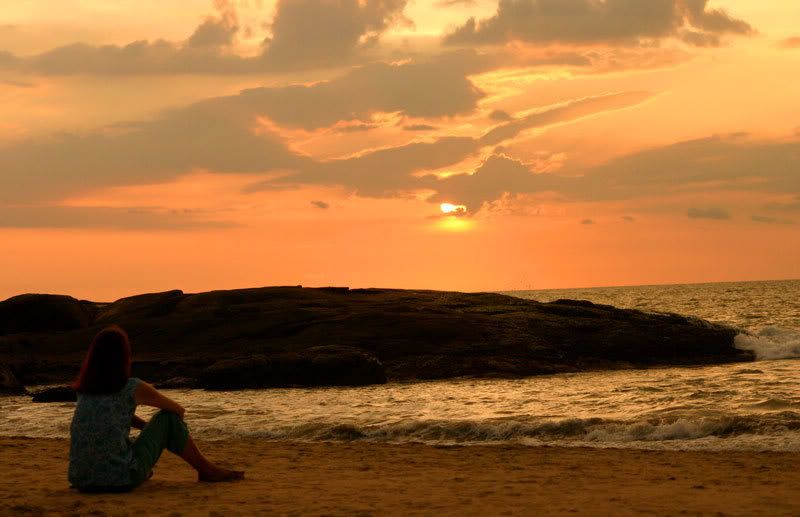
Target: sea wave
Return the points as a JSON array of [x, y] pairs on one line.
[[586, 431], [771, 343]]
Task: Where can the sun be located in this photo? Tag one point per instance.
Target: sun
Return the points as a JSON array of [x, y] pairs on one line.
[[451, 209]]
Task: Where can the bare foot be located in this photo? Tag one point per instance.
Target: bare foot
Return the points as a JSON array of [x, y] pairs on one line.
[[219, 474]]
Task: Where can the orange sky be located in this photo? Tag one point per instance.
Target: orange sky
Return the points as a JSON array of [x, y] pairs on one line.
[[246, 143]]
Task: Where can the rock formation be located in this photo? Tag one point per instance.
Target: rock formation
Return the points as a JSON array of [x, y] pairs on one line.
[[284, 336], [9, 384]]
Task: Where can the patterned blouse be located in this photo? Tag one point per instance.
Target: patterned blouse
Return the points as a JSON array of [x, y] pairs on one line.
[[100, 447]]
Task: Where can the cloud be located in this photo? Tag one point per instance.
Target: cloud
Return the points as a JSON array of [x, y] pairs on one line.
[[587, 222], [497, 175], [429, 88], [324, 32], [708, 213], [419, 127], [386, 172], [710, 165], [500, 116], [322, 205], [305, 34], [791, 43], [17, 84], [8, 60], [211, 135], [586, 22], [566, 111], [770, 220], [790, 206], [54, 216], [628, 218], [216, 31], [222, 135], [355, 128]]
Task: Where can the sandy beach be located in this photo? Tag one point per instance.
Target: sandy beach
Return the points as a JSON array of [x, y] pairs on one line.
[[362, 478]]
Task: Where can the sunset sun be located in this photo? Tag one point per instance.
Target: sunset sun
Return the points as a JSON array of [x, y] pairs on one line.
[[451, 209]]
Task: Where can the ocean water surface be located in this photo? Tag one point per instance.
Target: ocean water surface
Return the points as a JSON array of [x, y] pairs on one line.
[[742, 406]]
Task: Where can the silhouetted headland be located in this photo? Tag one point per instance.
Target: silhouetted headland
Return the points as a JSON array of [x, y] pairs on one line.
[[295, 336]]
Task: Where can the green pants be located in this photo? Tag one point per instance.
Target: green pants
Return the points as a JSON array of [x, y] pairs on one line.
[[164, 431]]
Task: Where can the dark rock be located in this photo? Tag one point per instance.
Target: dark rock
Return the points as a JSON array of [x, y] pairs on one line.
[[44, 313], [270, 337], [317, 366], [141, 306], [9, 384], [55, 394], [176, 383]]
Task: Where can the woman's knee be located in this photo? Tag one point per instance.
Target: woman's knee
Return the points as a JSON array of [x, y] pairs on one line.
[[169, 419], [164, 414]]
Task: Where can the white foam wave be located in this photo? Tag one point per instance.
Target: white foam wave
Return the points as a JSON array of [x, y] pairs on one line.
[[771, 343], [587, 432]]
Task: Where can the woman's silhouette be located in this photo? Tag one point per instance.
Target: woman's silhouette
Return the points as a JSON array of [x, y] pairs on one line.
[[102, 456]]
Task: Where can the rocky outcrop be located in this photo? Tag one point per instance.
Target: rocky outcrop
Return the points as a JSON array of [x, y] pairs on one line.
[[44, 313], [9, 384], [55, 394], [293, 336], [317, 366]]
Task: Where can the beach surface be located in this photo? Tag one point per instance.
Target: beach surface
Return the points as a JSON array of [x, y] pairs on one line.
[[363, 478]]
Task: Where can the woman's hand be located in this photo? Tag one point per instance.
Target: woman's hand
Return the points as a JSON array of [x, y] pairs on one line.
[[137, 423], [147, 395]]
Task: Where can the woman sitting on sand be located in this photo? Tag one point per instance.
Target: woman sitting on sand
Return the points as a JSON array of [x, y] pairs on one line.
[[101, 456]]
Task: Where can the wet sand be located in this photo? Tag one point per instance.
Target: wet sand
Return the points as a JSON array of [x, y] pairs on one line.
[[361, 478]]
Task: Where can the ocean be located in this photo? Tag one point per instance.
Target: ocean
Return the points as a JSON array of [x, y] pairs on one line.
[[751, 406]]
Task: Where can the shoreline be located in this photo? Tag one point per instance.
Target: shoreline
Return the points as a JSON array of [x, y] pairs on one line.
[[348, 478]]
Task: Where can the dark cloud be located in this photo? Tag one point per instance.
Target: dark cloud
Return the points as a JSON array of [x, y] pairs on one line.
[[436, 87], [770, 220], [626, 22], [305, 34], [324, 32], [587, 222], [216, 31], [730, 163], [356, 128], [322, 205], [628, 218], [385, 172], [54, 216], [790, 206], [18, 84], [211, 135], [8, 60], [138, 57], [220, 135], [708, 213], [500, 116], [711, 165], [419, 127], [567, 111], [496, 176]]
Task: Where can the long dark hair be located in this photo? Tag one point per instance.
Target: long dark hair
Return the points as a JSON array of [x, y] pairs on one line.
[[107, 365]]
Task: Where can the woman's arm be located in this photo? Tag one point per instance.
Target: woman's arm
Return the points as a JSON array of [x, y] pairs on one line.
[[137, 423], [147, 395]]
